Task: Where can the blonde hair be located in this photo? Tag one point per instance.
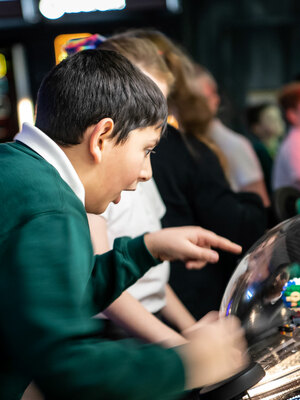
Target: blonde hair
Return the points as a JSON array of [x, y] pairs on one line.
[[191, 108], [143, 53]]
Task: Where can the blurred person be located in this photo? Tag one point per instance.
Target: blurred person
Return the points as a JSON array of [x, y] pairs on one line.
[[244, 171], [84, 149], [286, 170], [190, 173], [265, 130], [266, 123]]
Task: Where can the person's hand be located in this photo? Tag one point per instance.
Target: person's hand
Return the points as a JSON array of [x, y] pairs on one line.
[[190, 244], [216, 351], [210, 317]]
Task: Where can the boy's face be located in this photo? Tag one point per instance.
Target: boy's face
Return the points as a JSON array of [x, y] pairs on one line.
[[122, 166]]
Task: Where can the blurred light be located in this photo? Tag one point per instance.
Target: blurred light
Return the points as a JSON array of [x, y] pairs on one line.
[[228, 308], [21, 78], [3, 67], [61, 40], [249, 294], [22, 87], [173, 121], [173, 5], [50, 9], [25, 111], [54, 9], [29, 11]]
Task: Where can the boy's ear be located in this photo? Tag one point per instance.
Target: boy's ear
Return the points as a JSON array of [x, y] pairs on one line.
[[101, 132]]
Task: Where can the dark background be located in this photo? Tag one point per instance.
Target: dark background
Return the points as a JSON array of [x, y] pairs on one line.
[[250, 46]]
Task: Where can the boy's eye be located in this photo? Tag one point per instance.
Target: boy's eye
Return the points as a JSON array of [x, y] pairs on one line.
[[149, 151]]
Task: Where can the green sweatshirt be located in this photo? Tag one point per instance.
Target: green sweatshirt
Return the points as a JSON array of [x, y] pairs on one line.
[[51, 285]]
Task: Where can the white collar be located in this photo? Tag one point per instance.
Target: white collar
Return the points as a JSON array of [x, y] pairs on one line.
[[53, 154]]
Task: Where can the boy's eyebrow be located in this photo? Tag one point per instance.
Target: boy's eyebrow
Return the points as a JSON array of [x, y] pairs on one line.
[[154, 142]]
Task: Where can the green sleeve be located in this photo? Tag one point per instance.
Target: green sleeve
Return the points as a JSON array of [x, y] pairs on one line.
[[46, 289], [116, 270]]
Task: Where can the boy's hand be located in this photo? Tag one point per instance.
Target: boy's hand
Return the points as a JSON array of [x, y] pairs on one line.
[[191, 244], [216, 351], [210, 317]]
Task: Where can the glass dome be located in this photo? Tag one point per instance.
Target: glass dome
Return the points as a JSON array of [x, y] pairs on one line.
[[264, 292]]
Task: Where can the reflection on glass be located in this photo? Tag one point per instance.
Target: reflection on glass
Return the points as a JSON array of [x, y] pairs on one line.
[[264, 292], [281, 382]]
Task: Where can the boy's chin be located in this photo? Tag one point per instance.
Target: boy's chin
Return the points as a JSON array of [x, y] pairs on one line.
[[103, 206]]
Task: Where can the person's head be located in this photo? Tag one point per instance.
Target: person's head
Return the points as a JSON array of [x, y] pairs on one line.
[[143, 54], [190, 108], [106, 115], [289, 101], [206, 85], [265, 121]]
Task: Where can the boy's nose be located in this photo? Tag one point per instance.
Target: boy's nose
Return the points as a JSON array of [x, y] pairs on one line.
[[146, 172]]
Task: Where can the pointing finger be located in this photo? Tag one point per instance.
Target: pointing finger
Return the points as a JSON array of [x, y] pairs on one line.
[[220, 242]]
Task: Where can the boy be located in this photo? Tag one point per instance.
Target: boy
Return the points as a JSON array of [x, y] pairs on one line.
[[98, 118]]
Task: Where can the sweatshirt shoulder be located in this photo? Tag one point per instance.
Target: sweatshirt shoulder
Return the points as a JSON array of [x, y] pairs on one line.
[[29, 185]]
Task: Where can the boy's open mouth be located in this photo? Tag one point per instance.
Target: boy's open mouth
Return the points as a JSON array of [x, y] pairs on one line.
[[117, 200]]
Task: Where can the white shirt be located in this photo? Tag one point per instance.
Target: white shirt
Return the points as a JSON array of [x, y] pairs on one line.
[[39, 142], [243, 164], [139, 212], [286, 170]]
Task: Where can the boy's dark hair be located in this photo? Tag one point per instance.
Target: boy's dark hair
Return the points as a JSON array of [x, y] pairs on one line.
[[92, 85]]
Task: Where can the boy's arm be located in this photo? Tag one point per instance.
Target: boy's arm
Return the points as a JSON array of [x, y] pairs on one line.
[[48, 330], [126, 311], [190, 244], [99, 237], [175, 312], [46, 310], [120, 268], [217, 350], [129, 313], [132, 258]]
